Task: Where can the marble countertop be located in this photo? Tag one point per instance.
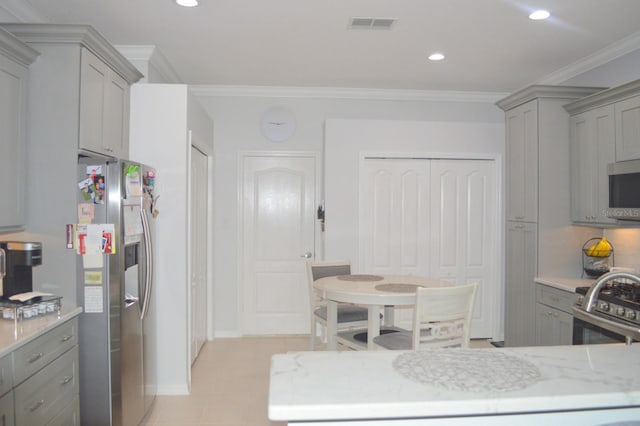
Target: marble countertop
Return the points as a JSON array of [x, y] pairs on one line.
[[13, 335], [566, 284], [362, 385]]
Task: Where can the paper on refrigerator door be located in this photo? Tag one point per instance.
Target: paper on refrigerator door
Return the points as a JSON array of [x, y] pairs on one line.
[[95, 239], [132, 223], [93, 299]]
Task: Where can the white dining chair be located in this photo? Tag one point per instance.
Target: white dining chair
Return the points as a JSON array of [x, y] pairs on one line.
[[441, 318], [349, 316]]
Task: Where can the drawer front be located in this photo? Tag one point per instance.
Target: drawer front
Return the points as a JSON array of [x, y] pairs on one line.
[[68, 416], [36, 354], [41, 398], [6, 410], [6, 375], [556, 298]]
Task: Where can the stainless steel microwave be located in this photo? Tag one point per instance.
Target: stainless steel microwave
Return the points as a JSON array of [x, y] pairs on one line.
[[624, 190]]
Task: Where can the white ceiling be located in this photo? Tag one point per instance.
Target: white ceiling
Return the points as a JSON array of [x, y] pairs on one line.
[[490, 45]]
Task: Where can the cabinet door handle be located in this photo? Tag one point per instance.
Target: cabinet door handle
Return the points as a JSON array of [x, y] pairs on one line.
[[66, 338], [35, 357], [66, 380], [37, 405]]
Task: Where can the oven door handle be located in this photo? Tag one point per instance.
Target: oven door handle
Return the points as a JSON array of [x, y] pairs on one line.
[[613, 326]]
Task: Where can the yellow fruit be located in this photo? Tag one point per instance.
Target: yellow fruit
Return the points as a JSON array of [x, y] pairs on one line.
[[600, 249]]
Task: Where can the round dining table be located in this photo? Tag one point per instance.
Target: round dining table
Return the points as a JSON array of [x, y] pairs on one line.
[[373, 291]]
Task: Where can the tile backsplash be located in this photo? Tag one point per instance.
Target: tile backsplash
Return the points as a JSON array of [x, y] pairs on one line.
[[626, 245]]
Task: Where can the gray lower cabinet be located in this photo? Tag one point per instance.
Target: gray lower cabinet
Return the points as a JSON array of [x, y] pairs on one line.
[[521, 261], [44, 386], [6, 409], [6, 396], [554, 320]]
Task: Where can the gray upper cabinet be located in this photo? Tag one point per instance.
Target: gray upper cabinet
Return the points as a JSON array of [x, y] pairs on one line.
[[522, 162], [605, 127], [82, 89], [628, 129], [104, 108], [592, 148], [15, 58]]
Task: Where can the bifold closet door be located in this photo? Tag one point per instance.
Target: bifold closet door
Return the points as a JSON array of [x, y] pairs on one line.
[[464, 219], [394, 216], [435, 218]]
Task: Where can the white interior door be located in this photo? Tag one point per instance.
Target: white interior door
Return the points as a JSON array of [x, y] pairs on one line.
[[199, 255], [278, 218], [464, 220], [436, 218]]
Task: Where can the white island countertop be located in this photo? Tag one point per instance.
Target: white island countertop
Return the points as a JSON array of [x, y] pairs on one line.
[[589, 384], [15, 334]]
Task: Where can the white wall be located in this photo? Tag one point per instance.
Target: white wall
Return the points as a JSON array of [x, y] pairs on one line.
[[613, 73], [477, 124], [161, 116]]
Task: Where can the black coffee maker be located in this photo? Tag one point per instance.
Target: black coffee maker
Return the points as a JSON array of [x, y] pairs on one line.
[[20, 258]]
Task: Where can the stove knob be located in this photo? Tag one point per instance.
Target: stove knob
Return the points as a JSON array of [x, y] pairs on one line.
[[620, 311], [603, 306], [630, 314]]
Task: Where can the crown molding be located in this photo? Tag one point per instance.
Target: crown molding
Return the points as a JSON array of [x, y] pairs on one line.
[[601, 57], [83, 35], [345, 93], [154, 57], [545, 91], [12, 47], [604, 97]]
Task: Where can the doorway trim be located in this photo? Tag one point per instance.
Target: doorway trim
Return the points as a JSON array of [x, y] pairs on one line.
[[242, 155]]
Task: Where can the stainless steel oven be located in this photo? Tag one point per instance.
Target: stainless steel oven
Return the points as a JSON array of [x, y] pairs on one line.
[[608, 311], [586, 333]]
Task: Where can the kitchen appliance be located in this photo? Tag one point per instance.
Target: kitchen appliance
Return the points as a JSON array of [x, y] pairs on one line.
[[609, 310], [117, 327], [624, 198], [20, 258]]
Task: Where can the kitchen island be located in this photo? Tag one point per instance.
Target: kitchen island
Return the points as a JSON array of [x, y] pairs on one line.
[[589, 384]]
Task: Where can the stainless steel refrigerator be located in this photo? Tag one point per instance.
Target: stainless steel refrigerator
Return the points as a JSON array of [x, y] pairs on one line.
[[117, 328]]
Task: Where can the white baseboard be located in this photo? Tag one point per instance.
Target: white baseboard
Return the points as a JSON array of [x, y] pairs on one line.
[[227, 334], [172, 390]]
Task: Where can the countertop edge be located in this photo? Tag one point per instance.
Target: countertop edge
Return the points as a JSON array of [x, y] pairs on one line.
[[30, 329], [566, 284]]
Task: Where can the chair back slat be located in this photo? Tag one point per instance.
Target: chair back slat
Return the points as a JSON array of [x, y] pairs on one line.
[[442, 316], [323, 271]]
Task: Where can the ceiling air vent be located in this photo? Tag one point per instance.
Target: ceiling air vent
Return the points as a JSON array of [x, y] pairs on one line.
[[362, 23]]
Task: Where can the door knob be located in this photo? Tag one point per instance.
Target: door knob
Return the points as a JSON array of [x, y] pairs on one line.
[[307, 255]]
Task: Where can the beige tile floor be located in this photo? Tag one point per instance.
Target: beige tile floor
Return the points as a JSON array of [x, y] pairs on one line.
[[230, 384]]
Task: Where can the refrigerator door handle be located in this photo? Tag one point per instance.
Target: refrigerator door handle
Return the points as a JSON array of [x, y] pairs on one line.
[[148, 272]]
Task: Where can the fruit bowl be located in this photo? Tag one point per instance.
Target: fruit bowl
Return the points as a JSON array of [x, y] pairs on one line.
[[597, 259]]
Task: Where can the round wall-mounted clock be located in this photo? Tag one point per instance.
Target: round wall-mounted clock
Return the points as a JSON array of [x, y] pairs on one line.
[[278, 124]]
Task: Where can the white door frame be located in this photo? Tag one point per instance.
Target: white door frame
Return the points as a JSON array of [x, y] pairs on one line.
[[500, 220], [240, 211]]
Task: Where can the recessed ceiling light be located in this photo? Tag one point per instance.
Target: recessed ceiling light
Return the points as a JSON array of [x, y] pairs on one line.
[[436, 56], [539, 15], [187, 3]]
